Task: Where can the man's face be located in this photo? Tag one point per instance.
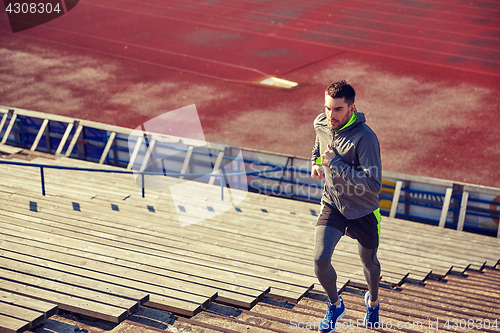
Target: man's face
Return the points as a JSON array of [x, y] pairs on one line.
[[337, 111]]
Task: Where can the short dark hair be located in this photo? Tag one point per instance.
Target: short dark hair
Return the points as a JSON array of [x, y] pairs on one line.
[[341, 89]]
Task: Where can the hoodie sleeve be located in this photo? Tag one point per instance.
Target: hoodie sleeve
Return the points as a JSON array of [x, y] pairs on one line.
[[315, 151], [368, 177]]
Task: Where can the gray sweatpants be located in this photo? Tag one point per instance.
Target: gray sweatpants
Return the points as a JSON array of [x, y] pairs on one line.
[[326, 238]]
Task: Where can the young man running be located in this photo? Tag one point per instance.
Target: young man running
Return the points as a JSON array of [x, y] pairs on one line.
[[350, 153]]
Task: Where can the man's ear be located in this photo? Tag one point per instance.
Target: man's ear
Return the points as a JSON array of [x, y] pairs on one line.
[[352, 107]]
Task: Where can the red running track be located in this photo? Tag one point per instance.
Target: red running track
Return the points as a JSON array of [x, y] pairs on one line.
[[127, 61], [242, 41]]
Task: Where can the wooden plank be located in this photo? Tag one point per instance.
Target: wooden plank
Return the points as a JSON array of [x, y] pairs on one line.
[[460, 261], [48, 309], [47, 139], [107, 147], [217, 165], [4, 119], [9, 149], [354, 268], [286, 219], [446, 206], [74, 140], [288, 296], [440, 233], [95, 271], [149, 151], [463, 211], [434, 259], [185, 164], [95, 176], [134, 153], [262, 225], [9, 128], [28, 265], [281, 204], [391, 269], [66, 302], [205, 263], [174, 235], [32, 184], [128, 306], [300, 249], [52, 188], [34, 318], [448, 234], [144, 269], [447, 254], [318, 288], [64, 139], [303, 290], [199, 273], [444, 248], [395, 199], [163, 278], [13, 325], [455, 242], [39, 135], [154, 285], [386, 254], [67, 181], [138, 235], [79, 184], [154, 249]]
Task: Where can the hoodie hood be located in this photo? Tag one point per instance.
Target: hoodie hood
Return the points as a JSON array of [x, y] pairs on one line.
[[356, 118]]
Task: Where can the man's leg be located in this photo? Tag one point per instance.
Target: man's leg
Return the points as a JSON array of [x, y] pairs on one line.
[[371, 269], [326, 238]]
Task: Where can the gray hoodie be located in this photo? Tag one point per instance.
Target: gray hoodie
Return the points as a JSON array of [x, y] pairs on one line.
[[355, 176]]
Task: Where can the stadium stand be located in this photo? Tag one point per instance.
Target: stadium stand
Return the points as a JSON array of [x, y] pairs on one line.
[[94, 246]]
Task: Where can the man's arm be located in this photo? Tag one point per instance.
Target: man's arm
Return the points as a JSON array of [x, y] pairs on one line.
[[370, 178]]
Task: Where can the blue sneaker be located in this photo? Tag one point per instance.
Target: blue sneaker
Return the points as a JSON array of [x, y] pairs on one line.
[[371, 318], [332, 315]]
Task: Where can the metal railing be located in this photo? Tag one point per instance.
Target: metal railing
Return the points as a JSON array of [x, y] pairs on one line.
[[143, 173], [422, 199], [459, 213]]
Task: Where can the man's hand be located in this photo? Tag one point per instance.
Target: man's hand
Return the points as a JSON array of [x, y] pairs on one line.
[[316, 172], [327, 156]]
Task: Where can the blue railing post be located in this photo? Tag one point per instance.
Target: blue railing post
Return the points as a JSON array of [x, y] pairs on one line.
[[221, 189], [43, 181], [143, 186]]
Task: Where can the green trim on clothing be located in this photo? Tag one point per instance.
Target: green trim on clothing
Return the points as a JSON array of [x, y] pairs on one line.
[[353, 119], [379, 219]]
